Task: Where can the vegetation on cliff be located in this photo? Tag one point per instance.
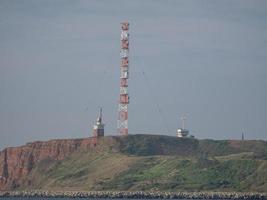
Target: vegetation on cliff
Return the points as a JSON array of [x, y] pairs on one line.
[[153, 162]]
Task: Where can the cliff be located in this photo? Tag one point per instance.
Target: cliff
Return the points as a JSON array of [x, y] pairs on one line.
[[17, 162], [136, 162]]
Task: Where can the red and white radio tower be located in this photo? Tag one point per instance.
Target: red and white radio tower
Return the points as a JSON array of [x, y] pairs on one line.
[[124, 68]]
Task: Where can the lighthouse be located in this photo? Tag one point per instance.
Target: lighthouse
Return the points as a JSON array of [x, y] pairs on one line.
[[98, 128]]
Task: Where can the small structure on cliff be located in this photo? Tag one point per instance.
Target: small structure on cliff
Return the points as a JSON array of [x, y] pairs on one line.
[[182, 132], [98, 128]]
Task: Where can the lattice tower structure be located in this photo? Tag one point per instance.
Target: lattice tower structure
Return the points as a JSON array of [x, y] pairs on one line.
[[124, 76]]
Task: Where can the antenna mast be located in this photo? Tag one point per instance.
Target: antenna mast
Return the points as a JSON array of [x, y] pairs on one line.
[[183, 122], [124, 69]]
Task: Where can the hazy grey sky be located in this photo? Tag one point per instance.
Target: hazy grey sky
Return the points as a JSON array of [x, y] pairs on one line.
[[59, 61]]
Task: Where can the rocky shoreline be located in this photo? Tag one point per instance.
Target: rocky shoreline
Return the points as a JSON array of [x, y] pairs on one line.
[[135, 194]]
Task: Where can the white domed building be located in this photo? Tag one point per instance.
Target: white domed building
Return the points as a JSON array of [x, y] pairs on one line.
[[182, 132]]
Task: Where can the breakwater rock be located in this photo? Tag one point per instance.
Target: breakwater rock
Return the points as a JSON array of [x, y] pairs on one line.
[[135, 194]]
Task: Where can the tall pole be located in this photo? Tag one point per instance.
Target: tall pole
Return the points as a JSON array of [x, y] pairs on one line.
[[183, 122], [100, 114], [124, 71]]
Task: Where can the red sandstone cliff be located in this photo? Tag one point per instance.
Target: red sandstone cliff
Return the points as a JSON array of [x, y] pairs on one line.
[[17, 162]]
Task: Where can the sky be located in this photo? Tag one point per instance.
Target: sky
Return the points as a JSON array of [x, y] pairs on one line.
[[60, 62]]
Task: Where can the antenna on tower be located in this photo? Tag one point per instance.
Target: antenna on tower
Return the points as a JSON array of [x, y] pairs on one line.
[[100, 112], [243, 136], [183, 118]]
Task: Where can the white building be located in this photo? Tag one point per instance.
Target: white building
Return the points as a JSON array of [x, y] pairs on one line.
[[182, 132]]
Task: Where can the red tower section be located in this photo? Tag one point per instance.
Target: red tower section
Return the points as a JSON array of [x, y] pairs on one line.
[[124, 69]]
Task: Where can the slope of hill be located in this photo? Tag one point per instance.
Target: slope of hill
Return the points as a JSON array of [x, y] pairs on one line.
[[136, 162]]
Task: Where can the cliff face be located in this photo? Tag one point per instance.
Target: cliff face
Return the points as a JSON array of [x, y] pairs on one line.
[[17, 162]]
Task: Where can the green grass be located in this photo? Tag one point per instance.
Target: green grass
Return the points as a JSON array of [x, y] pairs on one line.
[[172, 173], [151, 162]]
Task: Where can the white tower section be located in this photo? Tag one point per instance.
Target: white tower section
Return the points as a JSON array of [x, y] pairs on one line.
[[98, 128]]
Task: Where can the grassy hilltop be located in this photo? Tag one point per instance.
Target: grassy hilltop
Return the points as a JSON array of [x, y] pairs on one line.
[[153, 162]]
